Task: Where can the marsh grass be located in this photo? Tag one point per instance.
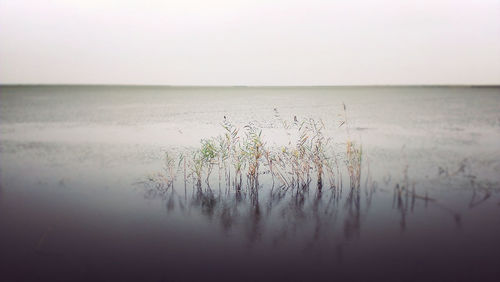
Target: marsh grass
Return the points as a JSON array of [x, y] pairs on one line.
[[309, 157], [241, 154]]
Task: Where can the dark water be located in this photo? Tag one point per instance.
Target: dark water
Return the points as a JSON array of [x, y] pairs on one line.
[[76, 203]]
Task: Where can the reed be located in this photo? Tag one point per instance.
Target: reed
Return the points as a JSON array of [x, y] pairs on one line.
[[308, 157], [354, 154], [252, 152]]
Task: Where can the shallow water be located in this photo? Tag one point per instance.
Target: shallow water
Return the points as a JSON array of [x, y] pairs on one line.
[[74, 203]]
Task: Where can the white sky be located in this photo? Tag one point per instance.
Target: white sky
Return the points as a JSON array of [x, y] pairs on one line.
[[270, 42]]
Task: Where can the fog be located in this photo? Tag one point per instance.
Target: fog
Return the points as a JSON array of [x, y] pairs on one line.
[[250, 42]]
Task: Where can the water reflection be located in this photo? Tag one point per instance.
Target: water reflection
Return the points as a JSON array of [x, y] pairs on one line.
[[267, 213]]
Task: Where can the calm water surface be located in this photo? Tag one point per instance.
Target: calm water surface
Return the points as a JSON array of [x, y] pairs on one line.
[[75, 203]]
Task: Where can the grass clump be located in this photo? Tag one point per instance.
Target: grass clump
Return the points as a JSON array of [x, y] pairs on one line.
[[308, 157]]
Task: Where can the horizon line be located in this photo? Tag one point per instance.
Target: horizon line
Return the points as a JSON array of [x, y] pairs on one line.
[[246, 86]]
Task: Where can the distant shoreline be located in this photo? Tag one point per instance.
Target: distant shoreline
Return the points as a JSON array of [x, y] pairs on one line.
[[257, 86]]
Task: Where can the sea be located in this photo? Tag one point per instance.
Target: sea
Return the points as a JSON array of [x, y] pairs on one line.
[[84, 196]]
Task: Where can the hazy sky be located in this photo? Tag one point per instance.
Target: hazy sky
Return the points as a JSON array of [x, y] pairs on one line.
[[271, 42]]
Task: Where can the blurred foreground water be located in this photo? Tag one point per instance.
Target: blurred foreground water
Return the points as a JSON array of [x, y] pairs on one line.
[[75, 202]]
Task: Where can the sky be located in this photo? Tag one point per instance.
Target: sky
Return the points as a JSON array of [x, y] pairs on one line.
[[201, 42]]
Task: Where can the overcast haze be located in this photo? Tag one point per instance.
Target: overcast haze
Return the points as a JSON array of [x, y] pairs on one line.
[[250, 42]]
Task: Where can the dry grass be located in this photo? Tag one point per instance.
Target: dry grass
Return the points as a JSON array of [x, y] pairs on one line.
[[242, 152]]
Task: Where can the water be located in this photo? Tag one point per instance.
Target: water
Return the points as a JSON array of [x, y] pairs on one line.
[[74, 203]]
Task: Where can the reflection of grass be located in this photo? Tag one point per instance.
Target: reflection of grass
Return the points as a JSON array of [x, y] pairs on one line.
[[242, 152]]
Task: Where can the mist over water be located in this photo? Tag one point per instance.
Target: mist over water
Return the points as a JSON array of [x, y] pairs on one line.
[[76, 200]]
